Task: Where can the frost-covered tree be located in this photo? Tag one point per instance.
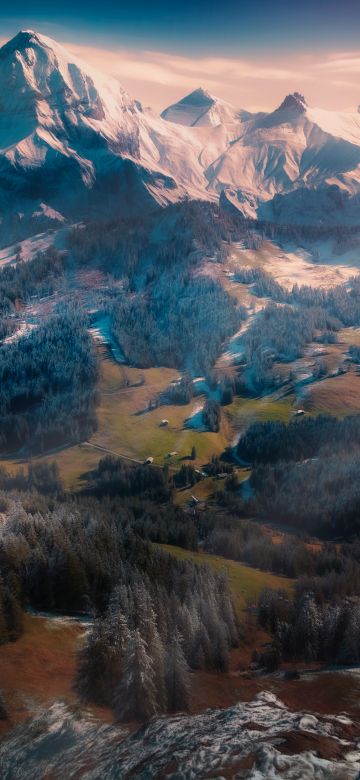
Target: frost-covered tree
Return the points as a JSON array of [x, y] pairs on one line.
[[98, 665], [177, 675], [135, 695], [307, 627]]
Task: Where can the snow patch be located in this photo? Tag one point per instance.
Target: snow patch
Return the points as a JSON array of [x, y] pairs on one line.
[[61, 743]]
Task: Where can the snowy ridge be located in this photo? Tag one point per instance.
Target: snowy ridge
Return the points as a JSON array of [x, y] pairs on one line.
[[74, 141], [59, 118], [295, 164], [58, 743]]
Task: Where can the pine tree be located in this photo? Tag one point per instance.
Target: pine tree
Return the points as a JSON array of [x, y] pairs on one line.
[[95, 676], [119, 635], [146, 623], [350, 647], [227, 609], [135, 695], [307, 628], [177, 676], [157, 654]]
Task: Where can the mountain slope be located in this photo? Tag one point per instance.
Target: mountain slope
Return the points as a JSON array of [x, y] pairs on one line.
[[70, 136], [292, 164], [72, 141]]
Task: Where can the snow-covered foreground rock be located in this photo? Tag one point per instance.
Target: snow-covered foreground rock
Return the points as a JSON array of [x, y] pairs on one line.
[[259, 740]]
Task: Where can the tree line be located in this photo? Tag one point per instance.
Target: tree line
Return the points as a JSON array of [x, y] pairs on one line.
[[306, 630], [320, 496], [48, 384], [280, 333], [39, 276], [273, 441], [178, 235]]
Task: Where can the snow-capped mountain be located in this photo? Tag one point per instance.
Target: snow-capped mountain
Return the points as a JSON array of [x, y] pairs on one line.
[[295, 164], [73, 139], [74, 143], [200, 109]]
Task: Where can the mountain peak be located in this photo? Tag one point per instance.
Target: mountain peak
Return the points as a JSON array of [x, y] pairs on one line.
[[34, 71], [24, 39], [294, 101], [198, 97], [200, 108]]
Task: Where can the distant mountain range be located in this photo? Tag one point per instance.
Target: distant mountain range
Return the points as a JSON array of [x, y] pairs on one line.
[[74, 144]]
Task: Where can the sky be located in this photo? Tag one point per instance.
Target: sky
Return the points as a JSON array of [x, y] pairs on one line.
[[248, 52]]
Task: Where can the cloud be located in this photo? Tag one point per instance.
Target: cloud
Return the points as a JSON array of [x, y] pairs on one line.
[[159, 78], [175, 69], [349, 64]]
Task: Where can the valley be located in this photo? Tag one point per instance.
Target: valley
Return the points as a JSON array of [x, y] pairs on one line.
[[179, 431], [130, 428]]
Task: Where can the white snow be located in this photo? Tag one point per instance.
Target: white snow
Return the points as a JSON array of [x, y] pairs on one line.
[[60, 743], [323, 267], [195, 419], [55, 109], [29, 247]]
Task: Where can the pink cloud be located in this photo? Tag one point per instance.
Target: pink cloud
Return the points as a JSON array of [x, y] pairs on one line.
[[158, 78]]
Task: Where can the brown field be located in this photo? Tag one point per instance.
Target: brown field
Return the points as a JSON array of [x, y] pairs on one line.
[[39, 668], [327, 692], [339, 395]]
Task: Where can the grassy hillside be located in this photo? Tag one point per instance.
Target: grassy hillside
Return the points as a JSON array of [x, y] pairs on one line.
[[245, 582], [339, 395], [128, 428], [125, 427]]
